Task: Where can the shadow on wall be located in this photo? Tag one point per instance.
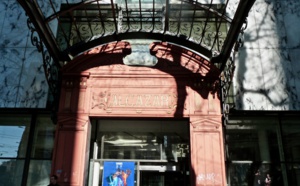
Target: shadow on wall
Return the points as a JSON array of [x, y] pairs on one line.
[[187, 68], [266, 77], [200, 75]]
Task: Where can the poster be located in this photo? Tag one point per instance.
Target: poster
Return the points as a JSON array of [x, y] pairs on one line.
[[118, 174]]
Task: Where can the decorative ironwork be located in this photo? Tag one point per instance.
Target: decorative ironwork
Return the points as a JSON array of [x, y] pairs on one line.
[[70, 28], [226, 81], [79, 25], [199, 24], [228, 73], [50, 69]]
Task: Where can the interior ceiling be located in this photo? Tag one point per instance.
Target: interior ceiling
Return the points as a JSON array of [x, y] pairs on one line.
[[70, 27]]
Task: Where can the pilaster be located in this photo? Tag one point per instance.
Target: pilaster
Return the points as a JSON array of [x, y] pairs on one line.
[[71, 149], [207, 153]]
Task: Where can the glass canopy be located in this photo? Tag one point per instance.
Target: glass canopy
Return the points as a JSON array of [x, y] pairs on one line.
[[70, 27], [64, 29], [180, 21]]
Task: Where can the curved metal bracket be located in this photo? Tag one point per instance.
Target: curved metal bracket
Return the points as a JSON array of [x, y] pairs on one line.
[[50, 69]]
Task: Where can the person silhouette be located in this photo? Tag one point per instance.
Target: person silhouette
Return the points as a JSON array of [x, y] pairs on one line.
[[53, 181], [258, 179], [268, 180]]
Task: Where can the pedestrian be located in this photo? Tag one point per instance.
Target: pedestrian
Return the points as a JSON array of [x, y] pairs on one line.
[[268, 180], [53, 181], [258, 181]]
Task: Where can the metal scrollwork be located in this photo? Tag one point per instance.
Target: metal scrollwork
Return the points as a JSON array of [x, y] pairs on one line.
[[226, 81], [227, 75], [35, 39], [241, 39], [51, 72], [50, 69]]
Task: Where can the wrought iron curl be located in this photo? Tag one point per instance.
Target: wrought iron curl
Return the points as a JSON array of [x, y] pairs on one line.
[[51, 72], [35, 39], [226, 81], [241, 39], [228, 73], [50, 69]]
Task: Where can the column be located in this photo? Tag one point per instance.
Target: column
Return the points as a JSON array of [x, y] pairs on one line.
[[263, 145], [207, 153], [70, 158]]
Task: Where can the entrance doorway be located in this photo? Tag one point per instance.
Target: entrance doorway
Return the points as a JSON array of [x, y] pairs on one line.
[[147, 152]]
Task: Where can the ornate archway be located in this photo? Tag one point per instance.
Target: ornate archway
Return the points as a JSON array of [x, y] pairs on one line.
[[181, 85]]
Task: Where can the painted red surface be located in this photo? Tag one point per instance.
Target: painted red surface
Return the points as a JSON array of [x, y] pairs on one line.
[[181, 85]]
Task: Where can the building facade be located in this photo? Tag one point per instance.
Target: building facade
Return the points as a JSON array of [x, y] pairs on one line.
[[150, 112]]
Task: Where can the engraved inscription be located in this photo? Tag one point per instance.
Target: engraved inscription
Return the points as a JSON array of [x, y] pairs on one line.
[[104, 100]]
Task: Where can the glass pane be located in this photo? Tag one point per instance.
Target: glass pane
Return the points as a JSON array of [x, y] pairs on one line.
[[39, 172], [130, 146], [152, 140], [291, 139], [291, 144], [14, 133], [204, 25], [253, 140], [152, 178], [254, 174], [293, 172], [43, 138], [11, 172]]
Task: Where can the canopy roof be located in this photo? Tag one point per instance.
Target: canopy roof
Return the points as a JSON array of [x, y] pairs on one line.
[[64, 29], [70, 27]]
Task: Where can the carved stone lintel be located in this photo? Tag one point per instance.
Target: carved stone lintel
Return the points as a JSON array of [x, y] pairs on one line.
[[211, 123], [73, 122]]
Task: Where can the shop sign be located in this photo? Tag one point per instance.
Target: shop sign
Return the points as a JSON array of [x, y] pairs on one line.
[[106, 100]]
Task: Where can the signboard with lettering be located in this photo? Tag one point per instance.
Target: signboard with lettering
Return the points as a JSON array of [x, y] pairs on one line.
[[104, 100]]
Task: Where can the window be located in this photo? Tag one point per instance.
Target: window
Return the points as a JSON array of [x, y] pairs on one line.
[[147, 140], [14, 132], [26, 145], [43, 138], [253, 145], [291, 143]]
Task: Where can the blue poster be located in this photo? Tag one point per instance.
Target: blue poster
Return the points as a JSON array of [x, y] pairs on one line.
[[118, 174]]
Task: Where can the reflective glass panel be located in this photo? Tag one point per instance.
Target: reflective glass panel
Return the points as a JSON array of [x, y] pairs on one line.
[[39, 171], [291, 143], [293, 173], [14, 133], [43, 138], [11, 172], [254, 150], [291, 139], [248, 173], [255, 140]]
